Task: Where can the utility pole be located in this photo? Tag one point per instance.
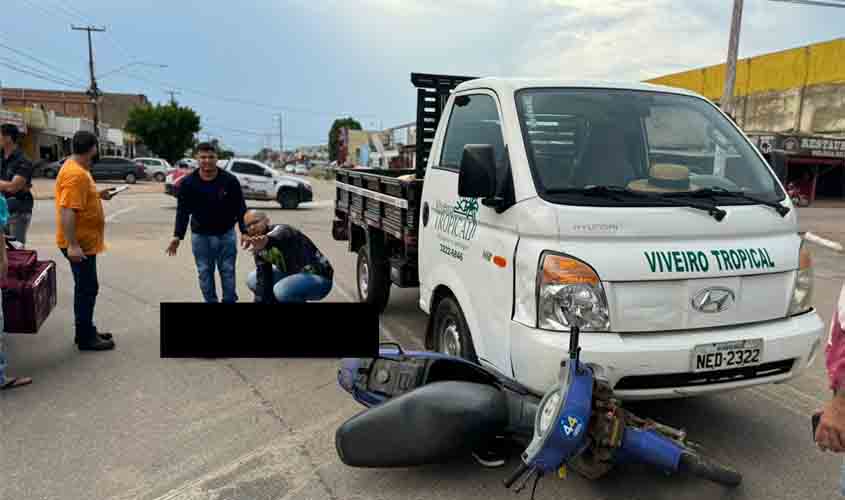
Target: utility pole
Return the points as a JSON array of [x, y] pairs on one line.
[[172, 99], [281, 134], [733, 46], [93, 91]]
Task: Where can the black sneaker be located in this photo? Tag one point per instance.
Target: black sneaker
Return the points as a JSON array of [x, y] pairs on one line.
[[97, 345], [491, 455]]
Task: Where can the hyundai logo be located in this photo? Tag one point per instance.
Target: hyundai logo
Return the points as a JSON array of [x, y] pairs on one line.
[[713, 300]]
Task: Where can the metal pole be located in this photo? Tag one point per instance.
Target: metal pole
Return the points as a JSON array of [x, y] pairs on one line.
[[733, 45], [94, 91]]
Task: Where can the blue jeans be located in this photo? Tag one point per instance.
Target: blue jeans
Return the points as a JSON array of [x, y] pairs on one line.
[[300, 287], [86, 286], [218, 252]]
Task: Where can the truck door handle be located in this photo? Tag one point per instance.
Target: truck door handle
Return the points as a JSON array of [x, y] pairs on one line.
[[425, 214]]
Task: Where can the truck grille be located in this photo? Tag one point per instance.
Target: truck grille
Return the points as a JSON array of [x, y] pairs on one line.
[[663, 381]]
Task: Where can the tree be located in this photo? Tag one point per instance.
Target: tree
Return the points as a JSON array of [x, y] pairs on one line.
[[334, 145], [167, 130]]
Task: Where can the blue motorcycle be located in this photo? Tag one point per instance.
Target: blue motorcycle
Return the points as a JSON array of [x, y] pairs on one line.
[[454, 407]]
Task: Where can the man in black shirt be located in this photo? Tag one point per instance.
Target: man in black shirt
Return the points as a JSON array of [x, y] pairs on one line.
[[213, 201], [15, 183], [289, 267]]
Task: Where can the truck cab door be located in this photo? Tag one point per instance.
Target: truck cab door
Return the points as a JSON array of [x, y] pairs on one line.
[[245, 173], [465, 245]]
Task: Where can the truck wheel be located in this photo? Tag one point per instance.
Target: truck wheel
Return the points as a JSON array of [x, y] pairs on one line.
[[159, 177], [451, 332], [288, 200], [130, 178], [373, 280]]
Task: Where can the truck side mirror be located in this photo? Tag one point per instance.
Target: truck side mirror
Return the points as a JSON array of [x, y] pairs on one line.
[[477, 177]]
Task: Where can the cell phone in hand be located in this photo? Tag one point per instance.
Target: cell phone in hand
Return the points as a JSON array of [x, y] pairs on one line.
[[118, 189], [815, 420]]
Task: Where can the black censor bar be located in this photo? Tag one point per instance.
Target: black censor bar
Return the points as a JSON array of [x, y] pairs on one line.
[[253, 330]]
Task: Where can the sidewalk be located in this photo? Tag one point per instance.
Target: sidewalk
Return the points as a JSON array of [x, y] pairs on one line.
[[42, 189]]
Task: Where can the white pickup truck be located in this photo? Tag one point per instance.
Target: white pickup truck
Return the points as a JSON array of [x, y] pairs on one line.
[[642, 211], [258, 182]]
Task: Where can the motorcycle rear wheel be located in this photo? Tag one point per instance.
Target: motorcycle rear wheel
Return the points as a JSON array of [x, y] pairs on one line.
[[705, 468]]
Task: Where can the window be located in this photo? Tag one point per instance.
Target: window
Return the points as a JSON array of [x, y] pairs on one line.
[[474, 120], [247, 169], [577, 138]]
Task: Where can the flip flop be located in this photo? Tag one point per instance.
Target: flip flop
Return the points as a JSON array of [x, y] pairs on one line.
[[16, 382]]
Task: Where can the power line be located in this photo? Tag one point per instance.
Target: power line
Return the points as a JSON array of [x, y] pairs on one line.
[[238, 100], [826, 3], [32, 74], [40, 71], [60, 71]]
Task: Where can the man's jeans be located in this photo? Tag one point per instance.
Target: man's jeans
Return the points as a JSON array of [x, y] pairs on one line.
[[85, 289], [219, 252], [298, 287], [19, 225]]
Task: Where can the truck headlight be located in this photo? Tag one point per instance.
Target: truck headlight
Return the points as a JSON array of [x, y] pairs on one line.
[[568, 284], [802, 292]]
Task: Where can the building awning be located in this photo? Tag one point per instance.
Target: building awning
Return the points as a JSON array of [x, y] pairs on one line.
[[7, 116], [800, 145]]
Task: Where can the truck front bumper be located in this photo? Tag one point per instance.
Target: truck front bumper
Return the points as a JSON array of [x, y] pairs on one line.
[[660, 365]]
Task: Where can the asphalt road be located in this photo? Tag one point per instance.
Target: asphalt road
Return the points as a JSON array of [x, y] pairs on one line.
[[128, 425]]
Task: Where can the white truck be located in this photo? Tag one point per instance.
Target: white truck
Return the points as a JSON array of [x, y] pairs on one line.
[[258, 182], [641, 209]]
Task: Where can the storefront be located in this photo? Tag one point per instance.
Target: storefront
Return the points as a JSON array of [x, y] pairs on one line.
[[814, 165]]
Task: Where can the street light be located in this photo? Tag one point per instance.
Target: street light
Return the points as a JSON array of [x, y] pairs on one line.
[[135, 63]]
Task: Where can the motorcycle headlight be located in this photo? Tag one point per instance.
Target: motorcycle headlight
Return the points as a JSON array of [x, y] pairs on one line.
[[547, 412], [802, 291], [569, 290]]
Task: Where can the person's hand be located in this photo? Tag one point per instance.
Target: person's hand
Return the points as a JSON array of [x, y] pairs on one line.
[[830, 435], [106, 194], [75, 254], [172, 247], [259, 242], [246, 241]]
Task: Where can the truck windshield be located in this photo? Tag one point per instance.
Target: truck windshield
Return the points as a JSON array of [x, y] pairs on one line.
[[660, 143]]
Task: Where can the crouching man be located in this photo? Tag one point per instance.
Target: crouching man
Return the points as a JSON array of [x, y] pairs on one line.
[[289, 267]]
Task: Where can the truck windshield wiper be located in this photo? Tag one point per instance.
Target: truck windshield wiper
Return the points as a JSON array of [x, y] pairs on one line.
[[619, 192], [711, 192]]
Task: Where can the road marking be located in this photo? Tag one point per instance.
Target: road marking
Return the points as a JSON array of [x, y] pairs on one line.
[[112, 217]]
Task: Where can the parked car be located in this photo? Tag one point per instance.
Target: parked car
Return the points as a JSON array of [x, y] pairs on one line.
[[157, 168], [171, 182], [51, 170], [258, 182], [290, 169], [301, 170], [116, 168], [106, 168]]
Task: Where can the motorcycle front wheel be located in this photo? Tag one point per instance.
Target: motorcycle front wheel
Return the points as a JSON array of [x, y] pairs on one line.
[[697, 465]]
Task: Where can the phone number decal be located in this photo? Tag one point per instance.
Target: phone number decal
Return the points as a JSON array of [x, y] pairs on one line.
[[451, 252]]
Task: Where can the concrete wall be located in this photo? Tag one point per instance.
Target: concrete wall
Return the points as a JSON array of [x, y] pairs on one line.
[[801, 89]]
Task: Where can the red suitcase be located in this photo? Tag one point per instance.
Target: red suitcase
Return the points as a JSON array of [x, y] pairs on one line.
[[29, 291]]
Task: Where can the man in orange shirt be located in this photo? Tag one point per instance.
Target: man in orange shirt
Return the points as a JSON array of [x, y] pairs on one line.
[[80, 235]]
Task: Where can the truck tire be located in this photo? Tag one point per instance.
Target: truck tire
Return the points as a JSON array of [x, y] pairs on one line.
[[288, 199], [450, 331], [373, 279], [130, 178]]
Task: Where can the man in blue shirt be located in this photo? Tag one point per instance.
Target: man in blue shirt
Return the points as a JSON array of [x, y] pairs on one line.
[[212, 199], [6, 382]]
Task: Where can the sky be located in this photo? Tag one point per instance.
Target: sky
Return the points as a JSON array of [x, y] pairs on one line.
[[240, 63]]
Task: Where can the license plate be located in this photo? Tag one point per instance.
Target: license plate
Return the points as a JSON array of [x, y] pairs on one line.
[[727, 355]]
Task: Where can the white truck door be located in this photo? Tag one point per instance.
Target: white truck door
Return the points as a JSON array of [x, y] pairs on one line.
[[465, 245]]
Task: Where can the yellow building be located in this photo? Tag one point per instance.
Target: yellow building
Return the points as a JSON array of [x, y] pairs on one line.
[[797, 90]]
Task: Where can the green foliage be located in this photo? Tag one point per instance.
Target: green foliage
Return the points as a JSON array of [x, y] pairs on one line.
[[349, 123], [167, 130]]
